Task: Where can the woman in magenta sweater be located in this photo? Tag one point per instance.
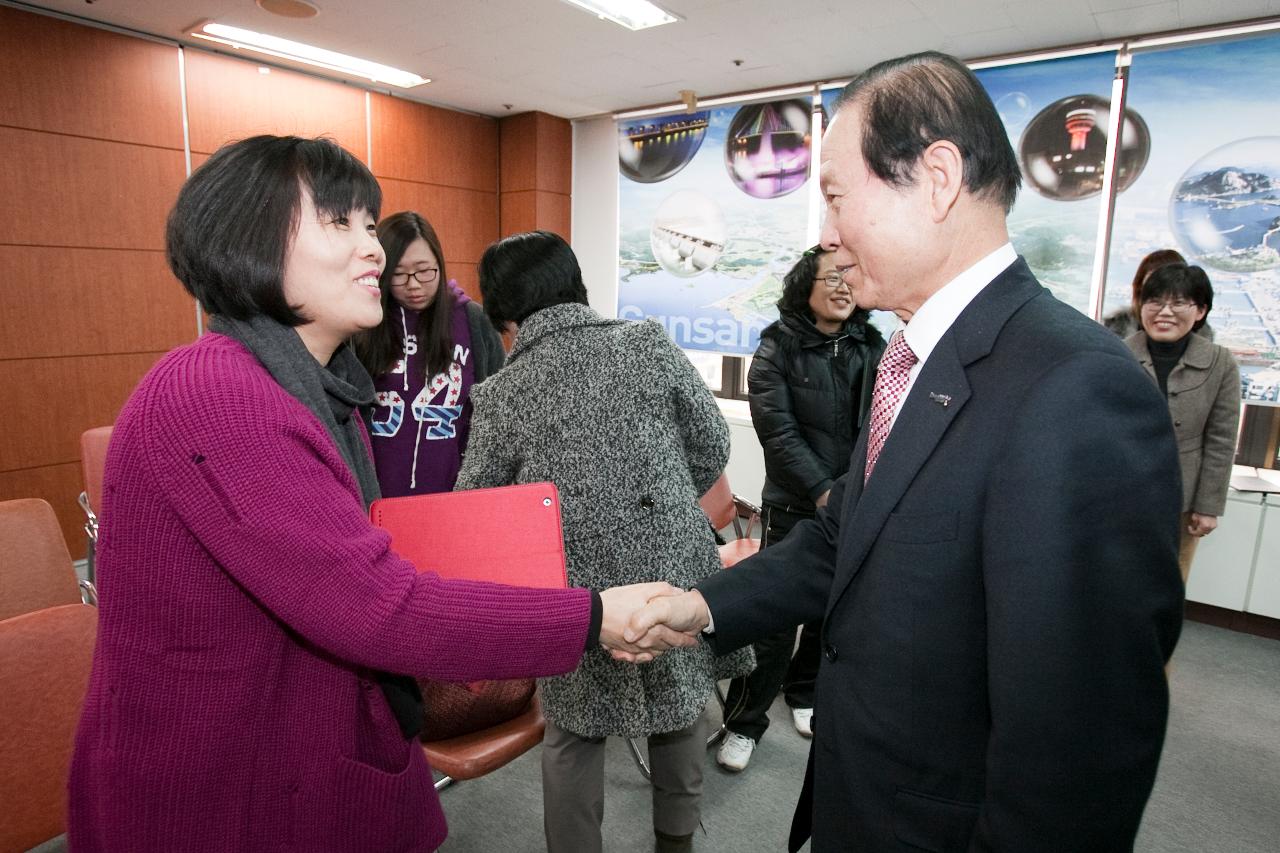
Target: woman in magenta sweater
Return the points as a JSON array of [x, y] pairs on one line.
[[251, 616]]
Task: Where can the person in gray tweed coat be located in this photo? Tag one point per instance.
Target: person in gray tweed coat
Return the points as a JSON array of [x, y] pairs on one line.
[[614, 414]]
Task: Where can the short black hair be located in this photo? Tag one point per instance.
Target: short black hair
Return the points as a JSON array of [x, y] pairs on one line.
[[798, 285], [235, 219], [1180, 281], [913, 101], [525, 273], [1151, 263]]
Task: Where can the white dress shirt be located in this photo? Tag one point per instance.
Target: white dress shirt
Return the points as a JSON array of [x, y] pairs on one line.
[[930, 323], [927, 326]]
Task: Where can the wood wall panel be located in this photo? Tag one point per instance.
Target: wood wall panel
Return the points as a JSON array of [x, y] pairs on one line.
[[228, 99], [468, 278], [60, 485], [531, 210], [555, 213], [465, 220], [518, 212], [536, 153], [518, 152], [416, 142], [61, 398], [68, 191], [555, 154], [66, 78], [90, 301]]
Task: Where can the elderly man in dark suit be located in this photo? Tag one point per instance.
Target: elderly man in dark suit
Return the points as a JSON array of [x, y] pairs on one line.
[[998, 570]]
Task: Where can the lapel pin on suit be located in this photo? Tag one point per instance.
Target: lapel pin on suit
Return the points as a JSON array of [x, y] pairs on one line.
[[943, 400]]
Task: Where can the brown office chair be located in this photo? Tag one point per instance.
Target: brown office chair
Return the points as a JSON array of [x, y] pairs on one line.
[[35, 566], [724, 509], [473, 755], [93, 461], [45, 658]]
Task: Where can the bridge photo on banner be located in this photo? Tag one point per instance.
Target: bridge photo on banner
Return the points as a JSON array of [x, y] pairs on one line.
[[712, 212]]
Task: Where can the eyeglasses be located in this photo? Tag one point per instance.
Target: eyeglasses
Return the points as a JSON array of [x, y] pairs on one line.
[[423, 276], [833, 279], [1177, 306]]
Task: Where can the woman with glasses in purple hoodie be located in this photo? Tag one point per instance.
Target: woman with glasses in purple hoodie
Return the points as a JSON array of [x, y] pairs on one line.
[[432, 345]]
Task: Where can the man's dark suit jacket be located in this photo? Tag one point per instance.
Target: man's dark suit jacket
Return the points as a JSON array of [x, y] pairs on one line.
[[1000, 599]]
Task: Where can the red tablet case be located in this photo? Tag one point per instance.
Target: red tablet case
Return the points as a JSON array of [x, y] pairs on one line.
[[509, 535]]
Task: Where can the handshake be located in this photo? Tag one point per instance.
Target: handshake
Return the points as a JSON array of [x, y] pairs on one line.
[[643, 620]]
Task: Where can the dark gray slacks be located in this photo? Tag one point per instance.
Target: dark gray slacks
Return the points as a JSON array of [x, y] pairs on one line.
[[573, 785]]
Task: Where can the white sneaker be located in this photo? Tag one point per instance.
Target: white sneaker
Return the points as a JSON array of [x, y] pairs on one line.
[[803, 718], [735, 752]]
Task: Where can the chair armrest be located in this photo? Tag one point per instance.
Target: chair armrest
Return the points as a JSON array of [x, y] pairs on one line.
[[745, 509], [91, 518]]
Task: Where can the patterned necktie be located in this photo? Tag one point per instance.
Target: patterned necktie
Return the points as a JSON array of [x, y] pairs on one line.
[[891, 381]]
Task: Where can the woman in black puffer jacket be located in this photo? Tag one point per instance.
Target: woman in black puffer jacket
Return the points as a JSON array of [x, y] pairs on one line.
[[810, 389]]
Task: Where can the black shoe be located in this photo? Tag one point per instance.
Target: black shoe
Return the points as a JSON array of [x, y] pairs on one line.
[[672, 843]]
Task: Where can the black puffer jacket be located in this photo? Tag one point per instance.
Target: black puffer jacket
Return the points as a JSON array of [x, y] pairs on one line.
[[810, 394]]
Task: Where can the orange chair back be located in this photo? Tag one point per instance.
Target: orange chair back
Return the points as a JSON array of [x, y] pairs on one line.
[[45, 658], [718, 503], [93, 461], [35, 566]]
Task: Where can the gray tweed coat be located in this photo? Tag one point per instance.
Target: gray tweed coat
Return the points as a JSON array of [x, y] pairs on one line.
[[615, 415]]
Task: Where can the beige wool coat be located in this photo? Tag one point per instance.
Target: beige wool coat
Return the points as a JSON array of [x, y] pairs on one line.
[[614, 414], [1204, 402]]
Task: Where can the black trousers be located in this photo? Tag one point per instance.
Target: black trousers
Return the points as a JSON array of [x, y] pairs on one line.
[[747, 703]]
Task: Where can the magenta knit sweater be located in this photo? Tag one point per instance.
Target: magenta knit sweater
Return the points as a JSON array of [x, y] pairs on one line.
[[245, 600]]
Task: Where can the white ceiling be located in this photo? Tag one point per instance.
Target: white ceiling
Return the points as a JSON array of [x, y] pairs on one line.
[[484, 55]]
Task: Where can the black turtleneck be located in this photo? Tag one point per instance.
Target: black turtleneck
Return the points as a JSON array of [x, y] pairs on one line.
[[1164, 355]]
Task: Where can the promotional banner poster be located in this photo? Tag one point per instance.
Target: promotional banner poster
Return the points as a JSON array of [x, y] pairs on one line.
[[712, 212], [1212, 191], [1056, 113]]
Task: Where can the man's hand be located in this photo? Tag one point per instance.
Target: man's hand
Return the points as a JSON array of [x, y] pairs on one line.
[[620, 604], [1202, 525], [822, 499], [661, 621]]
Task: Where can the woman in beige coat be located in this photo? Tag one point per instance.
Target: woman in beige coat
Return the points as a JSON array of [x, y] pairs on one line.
[[1202, 384]]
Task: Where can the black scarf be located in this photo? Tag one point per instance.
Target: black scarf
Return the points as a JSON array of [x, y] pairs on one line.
[[332, 393]]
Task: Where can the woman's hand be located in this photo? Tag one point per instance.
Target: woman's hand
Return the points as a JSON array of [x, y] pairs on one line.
[[1202, 525], [620, 603]]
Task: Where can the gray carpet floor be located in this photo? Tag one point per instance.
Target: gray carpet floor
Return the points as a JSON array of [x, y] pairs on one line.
[[1218, 790]]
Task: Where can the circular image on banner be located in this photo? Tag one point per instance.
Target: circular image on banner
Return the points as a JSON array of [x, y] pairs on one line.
[[688, 233], [654, 149], [1013, 108], [767, 148], [1064, 148], [1225, 210]]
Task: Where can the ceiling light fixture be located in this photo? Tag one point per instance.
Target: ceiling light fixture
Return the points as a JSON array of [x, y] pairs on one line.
[[632, 14], [298, 52], [1231, 31], [289, 8]]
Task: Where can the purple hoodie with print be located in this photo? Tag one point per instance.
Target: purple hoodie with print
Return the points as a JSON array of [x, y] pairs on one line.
[[420, 425]]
